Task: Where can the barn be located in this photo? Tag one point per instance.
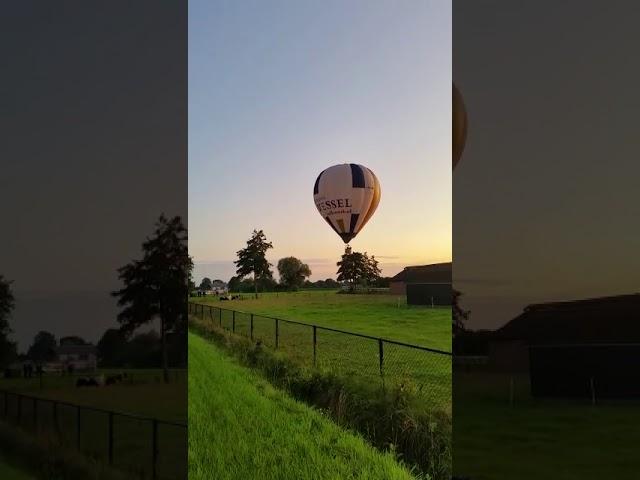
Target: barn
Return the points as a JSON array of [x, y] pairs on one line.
[[574, 348], [424, 284]]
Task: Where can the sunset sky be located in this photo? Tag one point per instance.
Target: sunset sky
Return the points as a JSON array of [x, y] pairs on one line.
[[279, 91]]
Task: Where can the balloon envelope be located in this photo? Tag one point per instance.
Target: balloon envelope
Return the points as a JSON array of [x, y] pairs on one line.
[[459, 132], [346, 196]]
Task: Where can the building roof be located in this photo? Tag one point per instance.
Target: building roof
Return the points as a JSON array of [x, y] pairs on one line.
[[594, 320], [76, 349], [434, 273]]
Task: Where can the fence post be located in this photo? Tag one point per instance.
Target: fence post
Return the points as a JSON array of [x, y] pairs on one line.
[[19, 408], [220, 316], [251, 334], [314, 344], [155, 450], [78, 415], [35, 414], [381, 354], [211, 313], [233, 321], [6, 404], [110, 438], [276, 333]]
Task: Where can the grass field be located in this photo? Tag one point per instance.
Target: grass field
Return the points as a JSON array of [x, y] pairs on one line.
[[241, 427], [350, 355], [130, 396], [132, 437], [533, 439], [8, 472], [377, 315]]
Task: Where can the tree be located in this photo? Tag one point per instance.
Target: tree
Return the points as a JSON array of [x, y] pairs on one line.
[[112, 348], [72, 340], [206, 284], [459, 316], [157, 286], [43, 348], [357, 268], [252, 259], [372, 270], [7, 304], [234, 284], [292, 272]]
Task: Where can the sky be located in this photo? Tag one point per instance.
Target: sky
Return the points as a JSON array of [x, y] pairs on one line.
[[93, 120], [546, 195], [279, 91]]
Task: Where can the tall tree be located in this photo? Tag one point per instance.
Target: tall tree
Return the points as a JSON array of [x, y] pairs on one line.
[[7, 304], [459, 315], [72, 340], [292, 272], [43, 348], [372, 270], [206, 284], [252, 259], [357, 268], [112, 348], [157, 286]]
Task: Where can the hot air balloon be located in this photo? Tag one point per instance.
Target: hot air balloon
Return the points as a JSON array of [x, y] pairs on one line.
[[346, 196], [459, 132]]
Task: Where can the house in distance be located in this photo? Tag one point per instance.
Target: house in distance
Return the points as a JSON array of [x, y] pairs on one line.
[[583, 348], [424, 284]]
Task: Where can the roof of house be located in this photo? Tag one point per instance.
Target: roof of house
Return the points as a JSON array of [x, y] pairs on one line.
[[594, 320], [434, 273], [75, 349]]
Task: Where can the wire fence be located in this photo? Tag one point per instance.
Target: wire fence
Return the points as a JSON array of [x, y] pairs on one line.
[[362, 356], [146, 447]]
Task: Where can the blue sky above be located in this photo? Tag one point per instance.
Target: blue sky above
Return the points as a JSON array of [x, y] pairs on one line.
[[279, 91]]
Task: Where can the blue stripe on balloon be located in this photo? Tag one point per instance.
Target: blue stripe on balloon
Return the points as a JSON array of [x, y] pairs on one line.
[[357, 176], [354, 220]]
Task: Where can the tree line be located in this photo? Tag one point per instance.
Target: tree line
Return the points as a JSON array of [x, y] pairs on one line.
[[254, 273], [154, 290]]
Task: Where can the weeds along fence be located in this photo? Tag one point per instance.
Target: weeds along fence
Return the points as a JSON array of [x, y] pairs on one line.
[[146, 447], [353, 354]]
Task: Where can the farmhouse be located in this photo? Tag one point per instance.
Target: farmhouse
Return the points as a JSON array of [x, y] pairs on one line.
[[424, 284], [568, 345], [76, 357]]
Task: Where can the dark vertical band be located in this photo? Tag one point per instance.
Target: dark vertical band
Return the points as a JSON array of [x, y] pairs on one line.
[[357, 176], [315, 187], [354, 220]]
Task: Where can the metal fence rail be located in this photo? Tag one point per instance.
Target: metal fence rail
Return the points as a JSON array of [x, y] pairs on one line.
[[359, 355], [148, 447]]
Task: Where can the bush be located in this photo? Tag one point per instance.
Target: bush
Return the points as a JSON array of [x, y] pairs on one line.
[[391, 419]]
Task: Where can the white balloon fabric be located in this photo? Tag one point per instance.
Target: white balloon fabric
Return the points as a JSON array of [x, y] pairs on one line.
[[346, 196]]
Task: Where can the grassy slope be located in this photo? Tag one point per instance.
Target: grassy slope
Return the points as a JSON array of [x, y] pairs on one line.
[[241, 427], [376, 315], [562, 439], [8, 472]]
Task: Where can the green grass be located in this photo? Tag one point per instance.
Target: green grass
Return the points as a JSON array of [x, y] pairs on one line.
[[130, 396], [377, 315], [132, 437], [241, 427], [350, 355], [8, 472], [554, 438]]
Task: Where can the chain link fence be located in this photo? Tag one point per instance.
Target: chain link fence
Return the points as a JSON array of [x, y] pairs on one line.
[[361, 356], [149, 448]]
